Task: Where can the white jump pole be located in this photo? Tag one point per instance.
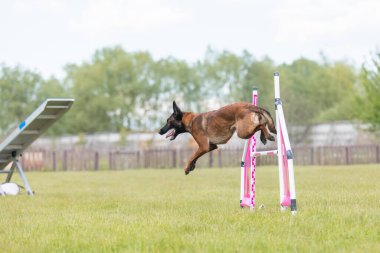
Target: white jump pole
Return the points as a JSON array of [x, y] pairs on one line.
[[243, 173], [279, 141], [285, 154], [264, 153], [245, 194]]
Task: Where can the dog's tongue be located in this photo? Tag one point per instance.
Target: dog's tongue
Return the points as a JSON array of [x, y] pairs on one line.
[[171, 133]]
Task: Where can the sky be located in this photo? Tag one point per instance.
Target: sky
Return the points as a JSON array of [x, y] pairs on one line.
[[45, 35]]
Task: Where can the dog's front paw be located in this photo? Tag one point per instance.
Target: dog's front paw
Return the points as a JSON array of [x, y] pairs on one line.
[[189, 168], [187, 171], [271, 138]]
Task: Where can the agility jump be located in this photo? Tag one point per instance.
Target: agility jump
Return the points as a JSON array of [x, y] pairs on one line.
[[26, 133], [283, 152]]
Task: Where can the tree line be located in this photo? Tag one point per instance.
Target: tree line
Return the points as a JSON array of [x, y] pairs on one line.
[[118, 90]]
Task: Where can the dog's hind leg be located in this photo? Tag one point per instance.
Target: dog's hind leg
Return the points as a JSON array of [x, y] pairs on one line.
[[262, 138]]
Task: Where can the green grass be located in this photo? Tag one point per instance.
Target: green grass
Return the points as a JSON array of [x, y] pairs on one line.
[[166, 211]]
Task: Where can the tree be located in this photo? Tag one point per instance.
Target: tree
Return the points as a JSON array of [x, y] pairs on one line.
[[17, 95], [310, 89], [174, 80], [117, 89], [111, 90], [370, 100], [343, 87], [53, 88], [260, 75], [223, 77]]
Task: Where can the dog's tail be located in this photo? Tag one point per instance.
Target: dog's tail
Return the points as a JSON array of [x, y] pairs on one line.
[[270, 121]]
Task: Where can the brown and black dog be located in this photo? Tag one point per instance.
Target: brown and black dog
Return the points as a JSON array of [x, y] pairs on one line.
[[216, 127]]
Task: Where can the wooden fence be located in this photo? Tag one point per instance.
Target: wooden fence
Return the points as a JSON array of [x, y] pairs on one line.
[[86, 159]]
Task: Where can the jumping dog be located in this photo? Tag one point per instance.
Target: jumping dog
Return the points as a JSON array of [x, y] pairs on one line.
[[216, 127]]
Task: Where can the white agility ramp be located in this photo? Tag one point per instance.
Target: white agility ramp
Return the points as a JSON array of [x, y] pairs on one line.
[[26, 133]]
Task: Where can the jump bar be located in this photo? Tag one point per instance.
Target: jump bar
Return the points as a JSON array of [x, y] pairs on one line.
[[264, 153]]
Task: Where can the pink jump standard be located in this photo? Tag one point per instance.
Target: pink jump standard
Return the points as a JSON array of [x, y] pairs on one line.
[[285, 160], [248, 167]]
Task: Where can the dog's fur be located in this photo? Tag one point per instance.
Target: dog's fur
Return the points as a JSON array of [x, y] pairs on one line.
[[216, 127]]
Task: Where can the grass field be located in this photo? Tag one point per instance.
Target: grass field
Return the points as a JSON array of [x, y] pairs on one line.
[[166, 211]]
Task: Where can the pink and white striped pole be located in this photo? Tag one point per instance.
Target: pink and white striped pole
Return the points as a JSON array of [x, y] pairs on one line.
[[248, 167], [264, 153], [252, 157]]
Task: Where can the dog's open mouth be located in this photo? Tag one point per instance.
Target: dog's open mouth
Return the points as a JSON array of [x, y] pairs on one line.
[[171, 134]]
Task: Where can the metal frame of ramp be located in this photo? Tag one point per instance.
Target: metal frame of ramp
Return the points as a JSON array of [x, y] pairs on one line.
[[26, 133]]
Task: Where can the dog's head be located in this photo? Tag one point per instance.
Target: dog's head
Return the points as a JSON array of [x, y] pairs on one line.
[[174, 123]]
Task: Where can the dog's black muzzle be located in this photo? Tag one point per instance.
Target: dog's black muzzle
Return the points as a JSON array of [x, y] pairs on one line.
[[165, 129]]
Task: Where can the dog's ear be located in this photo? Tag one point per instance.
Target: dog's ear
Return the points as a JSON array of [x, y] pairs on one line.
[[177, 111]]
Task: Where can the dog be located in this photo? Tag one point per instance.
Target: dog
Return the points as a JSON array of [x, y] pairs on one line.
[[212, 128]]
